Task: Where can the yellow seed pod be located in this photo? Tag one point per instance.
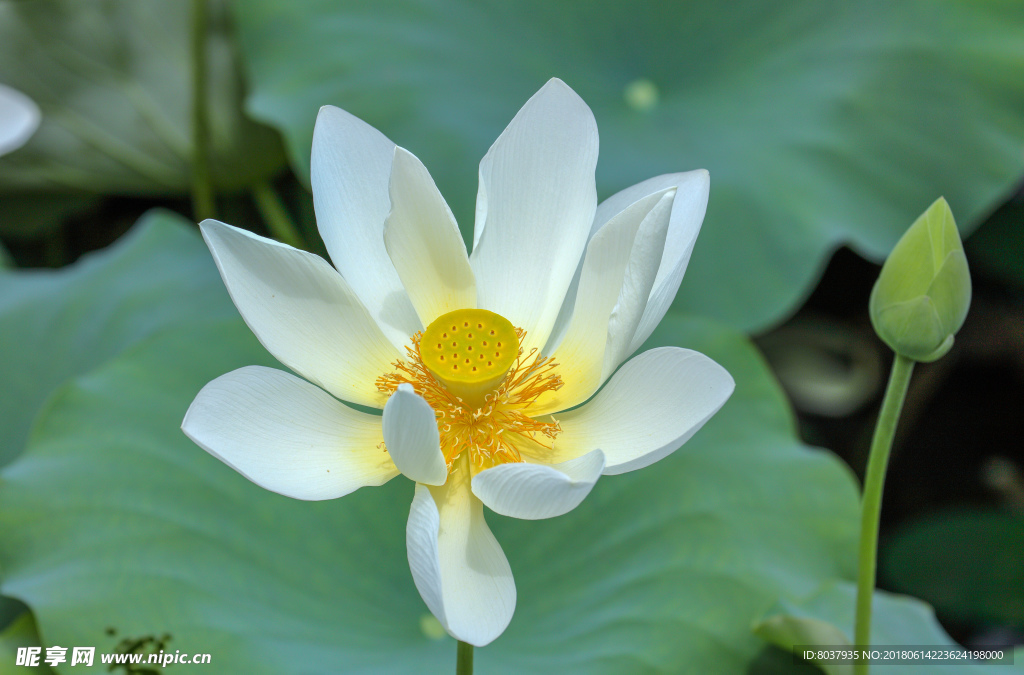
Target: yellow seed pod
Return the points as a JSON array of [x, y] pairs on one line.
[[470, 351]]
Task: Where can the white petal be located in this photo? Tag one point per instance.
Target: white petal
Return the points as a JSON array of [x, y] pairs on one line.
[[534, 491], [19, 119], [688, 209], [691, 202], [535, 206], [303, 312], [457, 564], [637, 284], [616, 278], [350, 170], [424, 242], [411, 437], [653, 405], [288, 436]]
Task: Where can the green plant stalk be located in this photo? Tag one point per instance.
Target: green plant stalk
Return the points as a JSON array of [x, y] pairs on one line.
[[871, 505], [464, 665], [275, 215], [203, 203]]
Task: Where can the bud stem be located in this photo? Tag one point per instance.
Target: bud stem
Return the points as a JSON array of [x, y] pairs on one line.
[[203, 203], [275, 215], [871, 505], [464, 665]]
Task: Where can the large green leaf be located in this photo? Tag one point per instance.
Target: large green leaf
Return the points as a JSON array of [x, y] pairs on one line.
[[112, 78], [113, 518], [897, 621], [821, 123], [60, 324]]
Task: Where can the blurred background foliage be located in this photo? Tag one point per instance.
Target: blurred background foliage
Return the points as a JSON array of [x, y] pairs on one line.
[[827, 129]]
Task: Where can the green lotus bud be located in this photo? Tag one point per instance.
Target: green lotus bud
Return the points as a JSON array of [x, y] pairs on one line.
[[921, 297]]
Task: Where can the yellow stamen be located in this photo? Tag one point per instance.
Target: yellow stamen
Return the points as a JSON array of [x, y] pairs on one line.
[[490, 424]]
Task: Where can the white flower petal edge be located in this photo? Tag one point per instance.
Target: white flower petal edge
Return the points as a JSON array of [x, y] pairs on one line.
[[411, 437], [688, 209], [19, 119], [287, 435], [535, 206], [303, 312], [653, 405], [617, 275], [424, 243], [457, 564], [350, 170], [535, 491]]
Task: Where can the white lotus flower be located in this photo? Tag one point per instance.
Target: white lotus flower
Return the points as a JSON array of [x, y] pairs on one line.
[[470, 357], [19, 119]]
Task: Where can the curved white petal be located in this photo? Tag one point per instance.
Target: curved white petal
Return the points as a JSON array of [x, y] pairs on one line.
[[303, 312], [535, 491], [424, 242], [411, 437], [457, 564], [637, 284], [19, 119], [653, 405], [688, 209], [535, 206], [350, 169], [691, 202], [615, 281], [288, 436]]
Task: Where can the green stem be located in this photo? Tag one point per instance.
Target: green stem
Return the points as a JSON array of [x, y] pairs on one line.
[[874, 480], [464, 665], [276, 215], [203, 203]]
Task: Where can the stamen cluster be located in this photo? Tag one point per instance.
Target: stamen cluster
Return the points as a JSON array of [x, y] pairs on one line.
[[492, 432]]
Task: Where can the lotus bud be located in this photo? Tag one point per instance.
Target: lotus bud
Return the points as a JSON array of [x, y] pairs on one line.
[[922, 295]]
